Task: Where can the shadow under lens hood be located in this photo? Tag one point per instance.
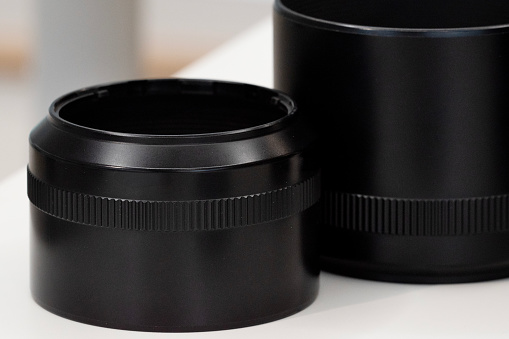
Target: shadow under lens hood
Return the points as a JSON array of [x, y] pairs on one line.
[[173, 205]]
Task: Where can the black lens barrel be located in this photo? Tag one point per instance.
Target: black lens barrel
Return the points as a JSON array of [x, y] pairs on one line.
[[191, 205], [173, 205], [411, 101]]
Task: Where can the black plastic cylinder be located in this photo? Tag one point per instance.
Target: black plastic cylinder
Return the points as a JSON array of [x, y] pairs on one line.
[[411, 100], [173, 205]]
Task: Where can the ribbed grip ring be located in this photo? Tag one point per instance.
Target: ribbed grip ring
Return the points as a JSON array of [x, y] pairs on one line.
[[173, 216], [416, 217]]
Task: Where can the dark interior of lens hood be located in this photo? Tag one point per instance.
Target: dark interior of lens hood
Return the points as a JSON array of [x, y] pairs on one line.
[[171, 113], [410, 14]]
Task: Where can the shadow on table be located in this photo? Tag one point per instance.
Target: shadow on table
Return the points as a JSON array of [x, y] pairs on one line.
[[339, 291]]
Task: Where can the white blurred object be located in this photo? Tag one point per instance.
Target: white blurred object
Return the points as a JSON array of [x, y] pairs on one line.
[[245, 58], [82, 43], [175, 32]]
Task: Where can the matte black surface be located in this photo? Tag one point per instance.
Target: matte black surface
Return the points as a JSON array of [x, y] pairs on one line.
[[400, 14], [411, 101], [168, 215]]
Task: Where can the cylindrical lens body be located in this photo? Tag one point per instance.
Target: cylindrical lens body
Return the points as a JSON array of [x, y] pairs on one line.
[[411, 101], [173, 205]]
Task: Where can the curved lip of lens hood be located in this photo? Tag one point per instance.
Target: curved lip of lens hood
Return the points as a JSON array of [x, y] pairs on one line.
[[172, 87], [84, 115], [174, 205], [325, 14]]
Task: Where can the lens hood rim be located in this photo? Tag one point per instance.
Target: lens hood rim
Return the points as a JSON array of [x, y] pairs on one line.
[[337, 26]]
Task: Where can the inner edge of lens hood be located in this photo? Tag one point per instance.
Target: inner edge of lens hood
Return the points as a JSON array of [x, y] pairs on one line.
[[179, 86], [386, 31]]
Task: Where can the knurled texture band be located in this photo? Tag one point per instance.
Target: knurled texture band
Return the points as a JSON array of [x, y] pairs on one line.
[[416, 217], [173, 216]]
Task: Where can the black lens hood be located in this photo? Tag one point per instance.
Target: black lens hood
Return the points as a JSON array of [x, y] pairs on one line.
[[173, 205], [411, 100]]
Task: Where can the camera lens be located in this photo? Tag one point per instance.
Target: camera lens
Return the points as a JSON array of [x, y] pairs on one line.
[[173, 205], [411, 100]]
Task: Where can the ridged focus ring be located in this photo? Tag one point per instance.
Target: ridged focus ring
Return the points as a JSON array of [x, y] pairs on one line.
[[173, 216], [416, 217]]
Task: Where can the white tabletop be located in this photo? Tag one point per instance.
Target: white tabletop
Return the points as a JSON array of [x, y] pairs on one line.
[[345, 308]]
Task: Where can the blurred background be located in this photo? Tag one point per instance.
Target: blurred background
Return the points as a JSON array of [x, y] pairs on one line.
[[50, 47]]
